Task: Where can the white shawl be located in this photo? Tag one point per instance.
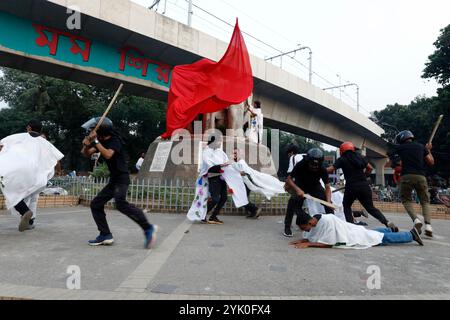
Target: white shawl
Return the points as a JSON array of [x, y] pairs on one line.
[[26, 164], [210, 158], [258, 182]]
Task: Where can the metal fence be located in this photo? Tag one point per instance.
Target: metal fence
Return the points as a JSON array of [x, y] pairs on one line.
[[161, 196]]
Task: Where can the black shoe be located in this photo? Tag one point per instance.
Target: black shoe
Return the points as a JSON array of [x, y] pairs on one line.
[[360, 223], [255, 215], [416, 236], [204, 221], [392, 226], [357, 214], [215, 220], [287, 232]]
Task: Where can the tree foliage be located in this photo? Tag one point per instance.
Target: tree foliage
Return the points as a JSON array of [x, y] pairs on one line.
[[421, 114], [63, 106], [286, 139], [438, 65]]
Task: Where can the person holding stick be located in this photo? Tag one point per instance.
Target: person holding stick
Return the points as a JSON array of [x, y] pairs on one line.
[[110, 144], [304, 182], [356, 169], [413, 157]]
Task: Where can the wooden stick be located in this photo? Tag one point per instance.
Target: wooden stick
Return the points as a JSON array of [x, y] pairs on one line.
[[436, 126], [109, 107], [328, 204], [339, 189]]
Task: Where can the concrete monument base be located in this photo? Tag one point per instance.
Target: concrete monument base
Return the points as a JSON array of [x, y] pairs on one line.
[[180, 160]]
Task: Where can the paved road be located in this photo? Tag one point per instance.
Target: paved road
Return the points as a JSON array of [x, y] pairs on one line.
[[242, 259]]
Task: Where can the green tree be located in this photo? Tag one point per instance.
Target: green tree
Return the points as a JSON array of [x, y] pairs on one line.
[[63, 106], [420, 115], [286, 139], [438, 65]]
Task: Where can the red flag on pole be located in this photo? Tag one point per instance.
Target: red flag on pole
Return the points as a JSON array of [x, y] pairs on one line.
[[207, 86]]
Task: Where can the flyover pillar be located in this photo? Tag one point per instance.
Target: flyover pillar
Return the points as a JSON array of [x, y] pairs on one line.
[[379, 167]]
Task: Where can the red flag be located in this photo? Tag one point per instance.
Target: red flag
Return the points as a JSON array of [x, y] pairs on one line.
[[206, 86]]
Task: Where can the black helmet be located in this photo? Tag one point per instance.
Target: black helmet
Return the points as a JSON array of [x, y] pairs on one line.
[[105, 129], [403, 136], [315, 158]]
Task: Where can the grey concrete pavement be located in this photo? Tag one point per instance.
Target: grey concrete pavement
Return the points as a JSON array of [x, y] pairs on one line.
[[241, 259]]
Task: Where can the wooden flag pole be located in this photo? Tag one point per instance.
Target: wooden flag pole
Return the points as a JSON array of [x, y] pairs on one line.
[[109, 108]]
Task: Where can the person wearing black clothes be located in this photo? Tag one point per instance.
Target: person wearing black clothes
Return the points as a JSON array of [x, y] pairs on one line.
[[413, 158], [356, 169], [305, 179], [109, 143], [218, 188], [253, 212]]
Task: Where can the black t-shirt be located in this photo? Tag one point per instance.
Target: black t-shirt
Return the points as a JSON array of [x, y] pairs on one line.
[[353, 165], [306, 179], [413, 158], [117, 165]]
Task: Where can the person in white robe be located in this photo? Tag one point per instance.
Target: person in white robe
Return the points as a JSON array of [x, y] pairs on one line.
[[32, 200], [27, 162], [328, 231], [216, 177], [140, 161], [257, 182], [255, 122], [295, 157]]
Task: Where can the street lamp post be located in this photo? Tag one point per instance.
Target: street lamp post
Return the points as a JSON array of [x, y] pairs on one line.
[[190, 13], [295, 51], [348, 85]]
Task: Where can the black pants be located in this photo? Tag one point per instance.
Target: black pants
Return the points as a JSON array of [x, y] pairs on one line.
[[250, 207], [295, 205], [219, 195], [118, 191], [21, 207], [363, 194]]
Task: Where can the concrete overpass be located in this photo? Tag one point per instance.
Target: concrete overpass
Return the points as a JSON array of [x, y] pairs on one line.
[[120, 41]]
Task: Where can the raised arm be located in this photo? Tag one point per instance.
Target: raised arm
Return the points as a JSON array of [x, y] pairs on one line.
[[429, 159], [368, 170]]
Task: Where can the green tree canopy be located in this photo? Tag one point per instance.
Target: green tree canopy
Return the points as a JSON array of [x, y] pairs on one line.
[[63, 106], [421, 114], [438, 66]]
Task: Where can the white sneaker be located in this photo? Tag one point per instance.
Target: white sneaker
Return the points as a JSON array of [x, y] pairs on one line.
[[418, 225], [428, 230]]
